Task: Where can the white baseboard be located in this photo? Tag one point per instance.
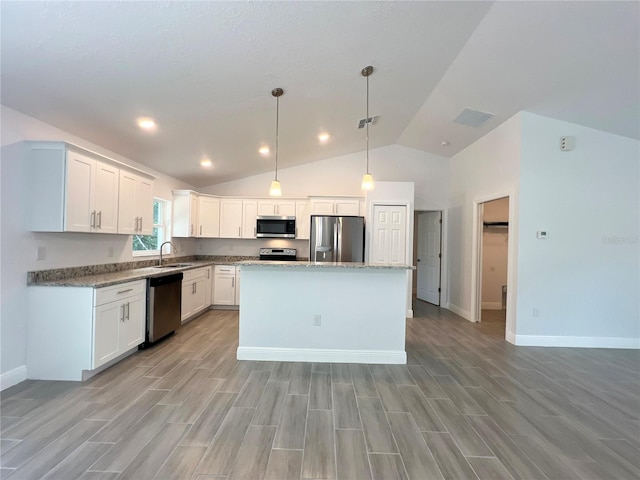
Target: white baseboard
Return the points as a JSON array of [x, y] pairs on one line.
[[511, 337], [576, 342], [459, 311], [492, 305], [410, 313], [13, 377], [321, 355]]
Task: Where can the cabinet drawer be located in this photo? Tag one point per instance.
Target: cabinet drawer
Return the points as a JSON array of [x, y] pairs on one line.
[[195, 274], [228, 269], [115, 292]]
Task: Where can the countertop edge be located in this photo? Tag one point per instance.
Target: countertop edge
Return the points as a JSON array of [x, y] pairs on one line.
[[335, 265]]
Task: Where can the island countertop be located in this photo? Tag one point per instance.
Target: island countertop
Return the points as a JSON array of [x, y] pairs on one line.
[[312, 265]]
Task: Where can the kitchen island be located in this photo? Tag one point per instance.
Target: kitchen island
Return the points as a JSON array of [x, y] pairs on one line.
[[323, 312]]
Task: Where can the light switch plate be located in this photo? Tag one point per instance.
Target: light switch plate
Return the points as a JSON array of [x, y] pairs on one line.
[[542, 234]]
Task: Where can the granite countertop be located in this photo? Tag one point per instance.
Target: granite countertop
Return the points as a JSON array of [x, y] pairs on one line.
[[112, 274], [95, 276], [309, 264]]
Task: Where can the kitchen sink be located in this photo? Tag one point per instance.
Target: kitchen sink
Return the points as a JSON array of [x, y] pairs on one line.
[[174, 265]]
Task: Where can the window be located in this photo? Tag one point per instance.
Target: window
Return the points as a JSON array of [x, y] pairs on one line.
[[150, 244]]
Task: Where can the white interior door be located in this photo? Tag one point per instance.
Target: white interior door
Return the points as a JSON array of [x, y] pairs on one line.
[[389, 234], [429, 245]]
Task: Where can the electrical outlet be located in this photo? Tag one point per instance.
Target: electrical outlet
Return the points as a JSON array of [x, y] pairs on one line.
[[317, 320], [110, 252], [41, 253]]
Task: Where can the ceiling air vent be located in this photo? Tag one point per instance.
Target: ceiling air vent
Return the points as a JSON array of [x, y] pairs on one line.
[[472, 118], [372, 121]]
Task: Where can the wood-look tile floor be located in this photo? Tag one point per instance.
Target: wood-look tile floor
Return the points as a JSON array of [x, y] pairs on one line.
[[467, 405]]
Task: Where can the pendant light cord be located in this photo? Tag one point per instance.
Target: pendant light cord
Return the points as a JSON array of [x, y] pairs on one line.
[[367, 124], [277, 123]]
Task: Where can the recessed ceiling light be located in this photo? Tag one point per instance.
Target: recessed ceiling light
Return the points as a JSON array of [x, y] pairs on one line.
[[323, 137], [205, 162], [264, 150], [444, 143], [146, 123]]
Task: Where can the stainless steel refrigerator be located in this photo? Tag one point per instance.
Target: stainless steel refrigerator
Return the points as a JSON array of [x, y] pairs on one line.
[[336, 239]]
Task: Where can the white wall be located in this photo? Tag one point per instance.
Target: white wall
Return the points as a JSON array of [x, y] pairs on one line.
[[343, 176], [486, 170], [18, 255], [583, 281]]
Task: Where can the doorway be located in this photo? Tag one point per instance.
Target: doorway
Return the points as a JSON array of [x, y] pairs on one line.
[[428, 254], [492, 264]]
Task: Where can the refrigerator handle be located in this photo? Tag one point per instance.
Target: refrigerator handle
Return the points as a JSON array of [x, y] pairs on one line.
[[337, 240]]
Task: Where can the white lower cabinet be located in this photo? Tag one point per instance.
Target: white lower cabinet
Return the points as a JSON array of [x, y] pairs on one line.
[[73, 329], [196, 292], [225, 285], [119, 320]]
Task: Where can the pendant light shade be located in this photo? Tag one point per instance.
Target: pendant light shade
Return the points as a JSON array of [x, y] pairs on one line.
[[367, 178], [367, 181], [275, 190]]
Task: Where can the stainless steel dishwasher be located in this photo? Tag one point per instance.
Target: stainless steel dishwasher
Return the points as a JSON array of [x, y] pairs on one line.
[[164, 301]]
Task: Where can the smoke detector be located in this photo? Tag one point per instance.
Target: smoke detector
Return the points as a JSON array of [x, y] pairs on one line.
[[372, 121], [472, 118]]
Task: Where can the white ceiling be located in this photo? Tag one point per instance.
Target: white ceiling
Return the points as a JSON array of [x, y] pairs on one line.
[[205, 70]]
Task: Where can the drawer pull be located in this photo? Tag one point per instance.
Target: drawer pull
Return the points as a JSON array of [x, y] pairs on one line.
[[125, 291]]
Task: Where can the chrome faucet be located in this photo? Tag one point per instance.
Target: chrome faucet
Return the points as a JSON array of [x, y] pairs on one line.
[[163, 244]]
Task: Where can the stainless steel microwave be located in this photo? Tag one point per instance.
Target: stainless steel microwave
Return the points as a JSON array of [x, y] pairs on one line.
[[270, 226]]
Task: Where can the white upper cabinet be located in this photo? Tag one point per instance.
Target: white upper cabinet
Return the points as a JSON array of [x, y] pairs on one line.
[[334, 206], [91, 203], [208, 217], [135, 205], [249, 214], [74, 190], [185, 213], [79, 214], [106, 198], [285, 208], [231, 218], [144, 205], [303, 220]]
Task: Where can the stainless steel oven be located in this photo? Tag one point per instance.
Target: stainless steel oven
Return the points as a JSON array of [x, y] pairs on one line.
[[270, 226]]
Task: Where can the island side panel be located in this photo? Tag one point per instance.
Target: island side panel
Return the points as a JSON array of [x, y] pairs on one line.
[[362, 314]]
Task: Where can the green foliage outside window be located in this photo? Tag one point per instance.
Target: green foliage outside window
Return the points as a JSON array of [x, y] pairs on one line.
[[152, 242]]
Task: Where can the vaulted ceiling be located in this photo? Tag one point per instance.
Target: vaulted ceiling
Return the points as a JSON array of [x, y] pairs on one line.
[[205, 70]]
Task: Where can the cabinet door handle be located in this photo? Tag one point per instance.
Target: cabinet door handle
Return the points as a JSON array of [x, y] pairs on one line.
[[233, 281], [122, 312], [208, 273], [140, 227], [100, 219], [125, 291], [239, 231], [192, 229], [255, 231], [93, 219], [127, 310], [200, 230]]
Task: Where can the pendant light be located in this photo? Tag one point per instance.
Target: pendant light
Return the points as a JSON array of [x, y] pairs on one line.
[[275, 190], [367, 178]]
